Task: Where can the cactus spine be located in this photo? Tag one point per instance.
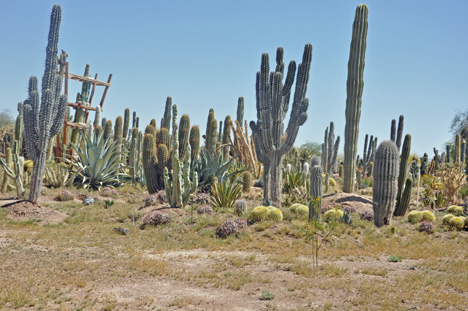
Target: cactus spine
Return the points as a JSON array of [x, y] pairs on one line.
[[272, 105], [385, 182], [404, 193], [44, 122], [355, 86]]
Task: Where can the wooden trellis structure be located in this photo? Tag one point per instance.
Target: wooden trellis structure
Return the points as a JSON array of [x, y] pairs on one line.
[[87, 106]]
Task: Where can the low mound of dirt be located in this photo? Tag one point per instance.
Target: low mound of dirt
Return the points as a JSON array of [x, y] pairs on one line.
[[25, 210], [348, 201]]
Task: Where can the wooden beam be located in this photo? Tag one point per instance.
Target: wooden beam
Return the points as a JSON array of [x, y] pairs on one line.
[[105, 90]]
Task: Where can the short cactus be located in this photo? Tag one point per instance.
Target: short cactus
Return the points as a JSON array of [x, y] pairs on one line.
[[446, 219], [227, 228], [240, 207], [259, 213], [415, 217], [428, 216], [457, 223], [333, 213], [455, 209], [274, 213]]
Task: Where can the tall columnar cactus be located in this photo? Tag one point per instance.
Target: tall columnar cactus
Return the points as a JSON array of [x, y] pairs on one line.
[[463, 151], [126, 123], [194, 140], [150, 163], [44, 121], [108, 130], [316, 190], [212, 137], [97, 117], [134, 120], [246, 181], [164, 137], [226, 138], [178, 185], [368, 154], [166, 120], [355, 86], [385, 182], [271, 142], [404, 192], [457, 155], [118, 133], [240, 110], [396, 135], [184, 129]]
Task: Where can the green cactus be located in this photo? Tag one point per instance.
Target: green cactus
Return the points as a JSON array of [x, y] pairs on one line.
[[166, 120], [164, 137], [212, 137], [5, 165], [226, 138], [220, 133], [44, 122], [207, 137], [126, 123], [134, 120], [150, 163], [355, 86], [153, 123], [315, 191], [108, 130], [13, 168], [271, 143], [457, 155], [98, 130], [97, 117], [184, 129], [385, 186], [403, 194], [195, 142], [240, 110], [179, 186], [246, 181], [118, 133]]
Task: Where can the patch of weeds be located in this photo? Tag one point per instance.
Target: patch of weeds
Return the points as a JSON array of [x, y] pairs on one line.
[[267, 295], [395, 258]]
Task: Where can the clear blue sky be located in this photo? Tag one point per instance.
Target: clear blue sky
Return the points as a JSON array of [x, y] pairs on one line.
[[206, 54]]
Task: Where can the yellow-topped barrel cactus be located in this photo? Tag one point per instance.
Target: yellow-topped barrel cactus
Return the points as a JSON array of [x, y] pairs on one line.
[[415, 217], [457, 223], [334, 213], [274, 213], [428, 215], [455, 210], [446, 219], [259, 213]]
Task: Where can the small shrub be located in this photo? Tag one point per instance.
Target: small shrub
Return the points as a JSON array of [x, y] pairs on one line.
[[367, 215], [108, 203], [426, 226], [227, 228], [225, 193], [64, 195], [267, 295], [241, 222], [150, 200], [205, 209], [154, 218], [202, 198], [109, 192], [393, 258]]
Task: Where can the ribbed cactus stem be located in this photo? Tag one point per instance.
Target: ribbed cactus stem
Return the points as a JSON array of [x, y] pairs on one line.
[[246, 181], [240, 110], [316, 191], [385, 182], [150, 163], [212, 137], [134, 119], [457, 155], [44, 121], [211, 116], [108, 130], [126, 123], [393, 131], [355, 86], [166, 120], [118, 133], [401, 122], [226, 138], [184, 130], [195, 142], [97, 117], [271, 141], [402, 205], [8, 160]]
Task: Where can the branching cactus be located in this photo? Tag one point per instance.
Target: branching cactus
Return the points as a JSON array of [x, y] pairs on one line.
[[271, 142], [355, 86], [385, 182], [329, 152], [178, 185], [44, 121], [368, 154], [404, 183], [396, 135]]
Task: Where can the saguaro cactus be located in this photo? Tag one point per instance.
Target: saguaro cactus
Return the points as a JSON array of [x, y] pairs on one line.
[[385, 182], [355, 86], [44, 122], [272, 105], [404, 183]]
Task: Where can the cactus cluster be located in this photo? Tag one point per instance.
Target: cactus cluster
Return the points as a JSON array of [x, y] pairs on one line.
[[43, 121]]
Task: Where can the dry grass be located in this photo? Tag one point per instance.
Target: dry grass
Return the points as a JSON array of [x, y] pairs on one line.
[[83, 264]]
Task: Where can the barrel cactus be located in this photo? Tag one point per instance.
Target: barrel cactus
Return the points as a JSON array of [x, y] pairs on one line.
[[385, 182]]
